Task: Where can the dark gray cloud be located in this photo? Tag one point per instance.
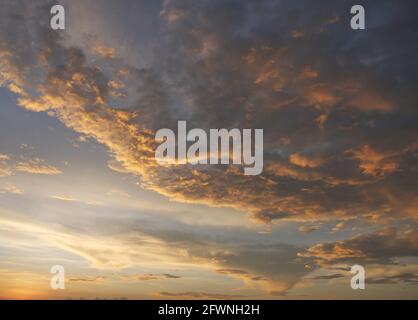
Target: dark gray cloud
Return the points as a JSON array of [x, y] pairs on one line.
[[407, 278], [86, 279], [382, 247], [336, 106], [329, 276], [327, 93], [151, 276], [338, 109]]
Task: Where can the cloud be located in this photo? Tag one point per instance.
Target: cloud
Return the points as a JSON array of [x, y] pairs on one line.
[[329, 276], [27, 165], [200, 295], [63, 198], [383, 247], [245, 276], [172, 15], [303, 161], [100, 251], [119, 193], [273, 268], [216, 67], [155, 243], [5, 169], [407, 278], [150, 276], [374, 163], [339, 226], [86, 279], [232, 271], [116, 166], [9, 188], [339, 123], [104, 52], [308, 228], [36, 166]]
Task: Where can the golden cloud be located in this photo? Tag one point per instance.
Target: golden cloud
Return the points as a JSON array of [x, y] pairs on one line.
[[374, 163], [77, 93], [104, 52], [9, 188], [5, 168], [37, 166], [382, 247], [304, 161]]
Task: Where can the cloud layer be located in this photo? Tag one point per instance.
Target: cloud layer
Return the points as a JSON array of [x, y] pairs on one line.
[[338, 109], [334, 147]]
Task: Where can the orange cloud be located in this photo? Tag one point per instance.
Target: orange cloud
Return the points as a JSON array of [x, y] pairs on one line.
[[297, 34], [374, 163], [321, 94], [370, 101], [77, 93], [308, 73], [104, 52], [63, 198], [381, 248], [173, 15], [5, 169], [9, 188], [304, 161], [36, 166]]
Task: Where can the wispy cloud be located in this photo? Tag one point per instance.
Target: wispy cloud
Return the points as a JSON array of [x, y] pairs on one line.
[[200, 295], [36, 166], [9, 188], [63, 198], [150, 276], [5, 169]]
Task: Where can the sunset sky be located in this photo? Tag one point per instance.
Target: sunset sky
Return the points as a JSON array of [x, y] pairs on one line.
[[80, 186]]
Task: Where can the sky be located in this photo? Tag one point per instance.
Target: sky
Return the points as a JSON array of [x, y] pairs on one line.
[[80, 186]]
